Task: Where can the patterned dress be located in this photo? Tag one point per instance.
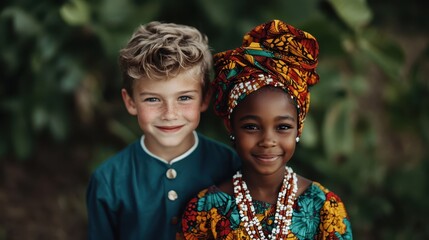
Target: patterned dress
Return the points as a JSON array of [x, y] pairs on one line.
[[317, 214]]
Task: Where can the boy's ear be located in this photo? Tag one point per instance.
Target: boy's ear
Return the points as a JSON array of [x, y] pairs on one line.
[[129, 102], [206, 99]]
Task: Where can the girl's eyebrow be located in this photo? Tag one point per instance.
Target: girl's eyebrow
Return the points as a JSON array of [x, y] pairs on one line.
[[285, 117], [255, 117], [249, 117]]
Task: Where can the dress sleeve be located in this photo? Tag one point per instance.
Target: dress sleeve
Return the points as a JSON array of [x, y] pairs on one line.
[[195, 222], [101, 219], [334, 221]]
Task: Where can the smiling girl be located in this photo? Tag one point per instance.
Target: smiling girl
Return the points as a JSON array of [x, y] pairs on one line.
[[262, 93]]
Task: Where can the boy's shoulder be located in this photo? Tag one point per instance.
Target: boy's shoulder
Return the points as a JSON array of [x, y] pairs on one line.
[[215, 147], [206, 141], [119, 159], [217, 152]]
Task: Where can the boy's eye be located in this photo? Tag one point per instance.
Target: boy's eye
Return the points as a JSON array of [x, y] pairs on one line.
[[184, 98], [151, 99]]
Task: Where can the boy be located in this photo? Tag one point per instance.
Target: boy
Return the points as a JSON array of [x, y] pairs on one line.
[[141, 192]]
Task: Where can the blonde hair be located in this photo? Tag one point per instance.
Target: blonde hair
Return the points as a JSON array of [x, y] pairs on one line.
[[163, 50]]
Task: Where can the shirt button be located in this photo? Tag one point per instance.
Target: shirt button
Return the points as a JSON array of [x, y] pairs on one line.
[[174, 220], [171, 173], [172, 195]]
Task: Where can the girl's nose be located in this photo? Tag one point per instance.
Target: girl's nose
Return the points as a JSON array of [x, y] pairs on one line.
[[267, 141]]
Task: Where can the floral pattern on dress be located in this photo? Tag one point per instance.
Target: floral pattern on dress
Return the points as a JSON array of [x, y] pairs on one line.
[[317, 214]]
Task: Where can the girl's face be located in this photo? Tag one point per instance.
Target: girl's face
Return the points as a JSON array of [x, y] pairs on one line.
[[265, 128]]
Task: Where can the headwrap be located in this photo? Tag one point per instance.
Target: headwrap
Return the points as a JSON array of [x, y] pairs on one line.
[[273, 53]]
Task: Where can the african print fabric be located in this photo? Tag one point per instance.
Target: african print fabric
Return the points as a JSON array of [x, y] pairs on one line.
[[317, 214], [273, 53]]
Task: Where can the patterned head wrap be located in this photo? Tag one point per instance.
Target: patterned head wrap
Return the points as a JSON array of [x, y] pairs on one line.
[[273, 53]]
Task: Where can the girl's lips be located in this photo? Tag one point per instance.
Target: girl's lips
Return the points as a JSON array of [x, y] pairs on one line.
[[267, 158]]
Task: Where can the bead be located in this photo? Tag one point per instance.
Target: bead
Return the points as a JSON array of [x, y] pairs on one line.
[[283, 216]]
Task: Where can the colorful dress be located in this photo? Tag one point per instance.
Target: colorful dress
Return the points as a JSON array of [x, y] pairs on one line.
[[317, 214]]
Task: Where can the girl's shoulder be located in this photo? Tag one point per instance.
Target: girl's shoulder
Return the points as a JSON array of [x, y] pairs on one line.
[[321, 197], [210, 198], [316, 189]]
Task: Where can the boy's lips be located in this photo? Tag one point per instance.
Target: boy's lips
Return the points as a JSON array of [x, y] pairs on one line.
[[169, 128]]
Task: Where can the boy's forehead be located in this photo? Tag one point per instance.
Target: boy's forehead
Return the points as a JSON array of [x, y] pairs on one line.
[[180, 83]]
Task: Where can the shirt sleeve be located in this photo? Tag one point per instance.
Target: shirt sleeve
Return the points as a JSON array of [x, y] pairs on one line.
[[102, 223], [334, 221], [194, 222]]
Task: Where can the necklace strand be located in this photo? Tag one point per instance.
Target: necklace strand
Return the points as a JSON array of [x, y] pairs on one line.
[[283, 215]]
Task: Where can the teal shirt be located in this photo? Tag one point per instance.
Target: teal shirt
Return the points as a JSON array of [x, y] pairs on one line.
[[130, 196]]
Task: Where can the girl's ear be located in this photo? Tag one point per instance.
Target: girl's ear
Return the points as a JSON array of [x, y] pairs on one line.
[[206, 100], [129, 102]]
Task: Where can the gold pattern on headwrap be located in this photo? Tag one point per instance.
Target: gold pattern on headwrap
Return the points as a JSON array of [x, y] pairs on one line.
[[273, 53]]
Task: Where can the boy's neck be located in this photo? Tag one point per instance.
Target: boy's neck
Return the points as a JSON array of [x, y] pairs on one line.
[[170, 154]]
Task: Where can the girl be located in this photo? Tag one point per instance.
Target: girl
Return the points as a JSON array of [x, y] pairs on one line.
[[262, 94]]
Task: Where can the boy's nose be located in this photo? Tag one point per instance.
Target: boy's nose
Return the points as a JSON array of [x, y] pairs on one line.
[[170, 112]]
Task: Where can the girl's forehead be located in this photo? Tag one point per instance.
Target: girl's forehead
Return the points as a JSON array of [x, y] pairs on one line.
[[265, 98], [270, 95]]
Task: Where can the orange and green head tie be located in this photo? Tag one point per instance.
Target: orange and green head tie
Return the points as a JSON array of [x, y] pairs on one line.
[[272, 54]]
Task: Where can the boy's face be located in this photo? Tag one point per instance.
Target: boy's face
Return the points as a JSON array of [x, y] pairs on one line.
[[168, 111]]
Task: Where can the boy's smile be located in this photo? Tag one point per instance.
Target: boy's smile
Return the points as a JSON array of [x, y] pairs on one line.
[[170, 129]]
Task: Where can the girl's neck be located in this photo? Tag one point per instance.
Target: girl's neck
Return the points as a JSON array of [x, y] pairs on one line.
[[263, 188]]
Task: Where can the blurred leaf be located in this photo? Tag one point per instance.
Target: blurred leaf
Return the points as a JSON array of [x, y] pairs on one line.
[[108, 14], [72, 77], [75, 12], [58, 124], [40, 117], [220, 12], [22, 141], [290, 12], [23, 22], [338, 128], [47, 46], [329, 88], [309, 134], [355, 13], [122, 131], [385, 54]]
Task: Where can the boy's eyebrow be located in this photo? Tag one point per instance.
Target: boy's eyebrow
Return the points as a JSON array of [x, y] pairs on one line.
[[188, 91], [178, 93]]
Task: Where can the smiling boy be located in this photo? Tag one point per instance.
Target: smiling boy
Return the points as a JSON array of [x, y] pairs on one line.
[[141, 192]]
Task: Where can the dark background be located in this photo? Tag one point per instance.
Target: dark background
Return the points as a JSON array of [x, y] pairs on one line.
[[366, 136]]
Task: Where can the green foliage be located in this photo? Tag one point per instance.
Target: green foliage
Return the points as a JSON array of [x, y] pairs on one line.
[[365, 137]]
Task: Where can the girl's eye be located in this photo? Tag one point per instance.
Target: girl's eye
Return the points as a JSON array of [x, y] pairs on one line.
[[184, 98], [151, 99], [283, 127], [250, 127]]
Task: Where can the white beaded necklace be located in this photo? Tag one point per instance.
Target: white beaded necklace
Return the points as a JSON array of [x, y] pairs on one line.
[[283, 216]]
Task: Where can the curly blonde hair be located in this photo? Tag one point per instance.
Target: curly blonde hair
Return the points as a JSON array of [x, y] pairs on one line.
[[163, 50]]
